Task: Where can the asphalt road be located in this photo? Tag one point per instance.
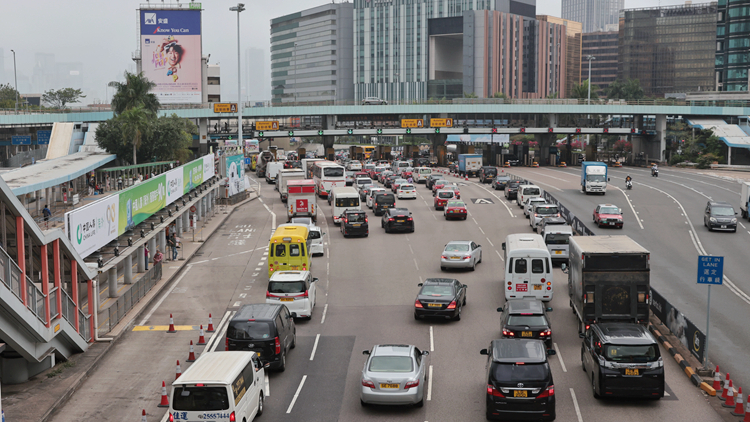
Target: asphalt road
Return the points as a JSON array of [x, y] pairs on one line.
[[366, 294]]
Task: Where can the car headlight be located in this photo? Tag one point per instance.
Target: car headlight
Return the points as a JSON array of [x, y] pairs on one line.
[[734, 221], [711, 219]]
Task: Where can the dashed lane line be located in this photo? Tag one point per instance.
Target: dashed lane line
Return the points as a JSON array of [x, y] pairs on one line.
[[575, 404], [161, 300], [432, 341], [498, 254], [637, 217], [294, 399], [559, 356], [315, 346], [491, 244], [325, 310], [429, 386]]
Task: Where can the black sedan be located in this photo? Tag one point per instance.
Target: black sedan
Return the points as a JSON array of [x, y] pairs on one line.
[[397, 219], [500, 182], [441, 298], [389, 180]]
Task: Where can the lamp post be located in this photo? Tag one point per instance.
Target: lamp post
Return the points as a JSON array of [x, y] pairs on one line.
[[240, 141], [588, 99], [15, 79]]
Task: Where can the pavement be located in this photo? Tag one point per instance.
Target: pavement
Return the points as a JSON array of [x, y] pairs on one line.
[[37, 399]]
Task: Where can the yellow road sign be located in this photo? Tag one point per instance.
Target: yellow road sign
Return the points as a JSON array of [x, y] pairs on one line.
[[441, 122], [267, 125], [412, 123], [225, 107]]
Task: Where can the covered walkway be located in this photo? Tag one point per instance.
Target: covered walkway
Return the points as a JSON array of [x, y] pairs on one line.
[[732, 135]]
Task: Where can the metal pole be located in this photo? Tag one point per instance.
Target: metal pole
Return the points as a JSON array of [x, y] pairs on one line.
[[588, 101], [708, 319], [239, 8], [15, 79]]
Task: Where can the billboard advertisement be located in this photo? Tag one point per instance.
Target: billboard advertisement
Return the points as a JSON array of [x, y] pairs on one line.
[[174, 184], [689, 335], [93, 226], [235, 174], [208, 167], [141, 201], [171, 54], [192, 175]]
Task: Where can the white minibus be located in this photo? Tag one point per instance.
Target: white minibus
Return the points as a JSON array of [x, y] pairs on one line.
[[528, 268], [344, 198]]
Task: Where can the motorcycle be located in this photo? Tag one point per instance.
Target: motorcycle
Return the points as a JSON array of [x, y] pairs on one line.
[[629, 184], [655, 172]]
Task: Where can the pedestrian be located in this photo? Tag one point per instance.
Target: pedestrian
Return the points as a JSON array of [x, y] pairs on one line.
[[46, 213], [172, 242], [158, 257], [145, 249]]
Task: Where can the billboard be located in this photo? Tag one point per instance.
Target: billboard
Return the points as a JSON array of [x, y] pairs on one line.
[[235, 173], [93, 226], [141, 201], [171, 52], [689, 335], [208, 167], [174, 184], [192, 175]]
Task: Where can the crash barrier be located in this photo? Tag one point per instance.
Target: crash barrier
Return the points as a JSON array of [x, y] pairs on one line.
[[574, 221], [234, 199], [130, 298]]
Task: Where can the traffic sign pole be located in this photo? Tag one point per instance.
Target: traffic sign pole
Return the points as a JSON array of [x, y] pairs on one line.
[[710, 271], [708, 320]]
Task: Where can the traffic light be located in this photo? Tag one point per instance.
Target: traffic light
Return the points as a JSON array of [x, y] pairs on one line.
[[466, 130], [606, 130], [380, 131], [550, 130], [260, 134], [523, 130], [632, 130], [320, 133], [494, 130], [408, 131], [349, 132], [291, 133], [578, 130], [437, 130]]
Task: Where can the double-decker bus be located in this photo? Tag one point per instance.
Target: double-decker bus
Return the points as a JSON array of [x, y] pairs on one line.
[[327, 175]]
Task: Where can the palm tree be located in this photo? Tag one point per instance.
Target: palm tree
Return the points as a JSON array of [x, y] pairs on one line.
[[581, 91], [135, 124], [135, 91]]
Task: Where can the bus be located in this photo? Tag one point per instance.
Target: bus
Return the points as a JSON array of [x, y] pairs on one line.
[[327, 175], [289, 249], [367, 151]]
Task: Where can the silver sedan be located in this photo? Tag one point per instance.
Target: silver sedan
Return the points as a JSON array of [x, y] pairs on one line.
[[461, 254], [394, 374]]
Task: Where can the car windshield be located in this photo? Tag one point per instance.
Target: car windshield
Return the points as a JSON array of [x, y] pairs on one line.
[[557, 239], [356, 217], [610, 210], [364, 181], [333, 172], [513, 372], [531, 191], [455, 204], [302, 220], [286, 286], [248, 330], [530, 320], [502, 178], [546, 210], [314, 234], [347, 202], [391, 364], [644, 353], [596, 178], [200, 399], [445, 195], [399, 181], [457, 247], [490, 171], [385, 199], [349, 174], [722, 211], [436, 290]]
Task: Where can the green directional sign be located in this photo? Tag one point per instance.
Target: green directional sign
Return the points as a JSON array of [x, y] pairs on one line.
[[291, 133], [350, 132], [320, 133], [380, 131], [437, 130], [260, 134], [408, 131]]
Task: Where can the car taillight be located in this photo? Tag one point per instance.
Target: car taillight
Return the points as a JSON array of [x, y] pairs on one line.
[[346, 220], [368, 383], [508, 333], [409, 219], [268, 294], [277, 344], [417, 304], [492, 391], [366, 220], [171, 417], [226, 344], [467, 257], [548, 392], [232, 418], [390, 219], [411, 384], [452, 305], [545, 333]]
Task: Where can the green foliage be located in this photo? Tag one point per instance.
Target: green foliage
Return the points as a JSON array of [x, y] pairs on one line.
[[629, 90], [8, 96], [58, 98], [581, 91], [470, 95], [133, 92], [676, 159], [500, 95], [704, 160]]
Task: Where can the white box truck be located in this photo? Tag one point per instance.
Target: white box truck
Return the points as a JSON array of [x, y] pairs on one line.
[[744, 200]]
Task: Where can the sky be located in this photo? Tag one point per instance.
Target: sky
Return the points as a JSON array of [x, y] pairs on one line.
[[102, 36]]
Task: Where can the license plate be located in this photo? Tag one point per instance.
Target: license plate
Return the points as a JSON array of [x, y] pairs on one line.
[[520, 393], [537, 287], [633, 371], [287, 299], [525, 333], [399, 221], [389, 385], [723, 227], [356, 225], [611, 223], [434, 305], [455, 257], [558, 252]]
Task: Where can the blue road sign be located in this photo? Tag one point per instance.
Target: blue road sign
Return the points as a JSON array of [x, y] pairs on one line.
[[248, 160], [710, 269], [42, 137], [20, 140]]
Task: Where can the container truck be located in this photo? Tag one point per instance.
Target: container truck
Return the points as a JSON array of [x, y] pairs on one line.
[[469, 164], [594, 177], [283, 178]]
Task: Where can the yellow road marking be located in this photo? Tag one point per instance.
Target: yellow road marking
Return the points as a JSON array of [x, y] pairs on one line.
[[165, 327]]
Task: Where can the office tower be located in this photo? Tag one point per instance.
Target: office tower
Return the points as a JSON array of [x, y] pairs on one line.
[[603, 46], [733, 46], [595, 15]]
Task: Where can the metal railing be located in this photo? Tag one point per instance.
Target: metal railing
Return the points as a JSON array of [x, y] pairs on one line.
[[68, 308], [35, 299], [129, 298], [53, 311], [84, 326]]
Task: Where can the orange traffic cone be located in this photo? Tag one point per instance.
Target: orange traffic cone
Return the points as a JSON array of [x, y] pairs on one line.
[[210, 328], [201, 338], [717, 380], [164, 398], [739, 409], [143, 418], [171, 325], [179, 371], [730, 396], [191, 356], [726, 388]]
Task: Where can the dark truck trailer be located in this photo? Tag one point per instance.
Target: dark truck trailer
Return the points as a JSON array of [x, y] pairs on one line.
[[608, 280]]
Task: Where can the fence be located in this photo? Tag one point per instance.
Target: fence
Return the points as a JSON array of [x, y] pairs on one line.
[[128, 299]]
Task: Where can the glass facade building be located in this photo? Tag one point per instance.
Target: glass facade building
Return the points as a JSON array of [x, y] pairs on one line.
[[733, 45], [311, 55], [573, 32], [669, 49], [595, 15], [603, 46]]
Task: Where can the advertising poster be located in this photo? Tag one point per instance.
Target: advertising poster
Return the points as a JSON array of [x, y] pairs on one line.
[[208, 167], [93, 226], [139, 202], [174, 184], [689, 335], [192, 175], [235, 174], [171, 54], [252, 146]]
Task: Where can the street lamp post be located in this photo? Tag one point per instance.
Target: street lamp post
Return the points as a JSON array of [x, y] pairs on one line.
[[15, 79], [240, 141], [588, 99]]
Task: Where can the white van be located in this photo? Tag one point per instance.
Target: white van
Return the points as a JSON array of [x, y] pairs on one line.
[[421, 174], [272, 171], [220, 386], [528, 268], [344, 198], [525, 192]]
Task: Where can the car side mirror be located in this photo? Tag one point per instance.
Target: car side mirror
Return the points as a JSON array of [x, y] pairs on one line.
[[419, 284], [314, 280], [608, 179], [549, 309], [425, 353], [484, 352], [504, 248], [267, 364], [500, 309], [581, 335], [564, 268], [366, 352], [551, 352], [294, 315]]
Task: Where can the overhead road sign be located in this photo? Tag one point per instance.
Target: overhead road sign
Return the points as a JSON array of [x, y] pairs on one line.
[[42, 137], [225, 107], [412, 123], [20, 140], [441, 122], [267, 125]]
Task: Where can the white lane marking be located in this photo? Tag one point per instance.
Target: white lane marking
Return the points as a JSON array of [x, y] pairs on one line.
[[499, 200], [420, 278], [265, 253], [213, 342], [237, 304], [415, 264], [575, 404], [214, 259], [315, 346], [294, 399], [433, 216], [480, 229], [161, 300], [258, 269], [429, 386], [325, 309], [743, 226], [475, 221], [412, 250], [432, 341], [637, 218], [263, 259], [273, 217], [491, 244], [559, 356], [268, 387], [200, 262], [498, 254], [243, 295]]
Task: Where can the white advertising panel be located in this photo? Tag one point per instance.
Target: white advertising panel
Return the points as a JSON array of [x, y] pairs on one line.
[[93, 226], [174, 184], [208, 167]]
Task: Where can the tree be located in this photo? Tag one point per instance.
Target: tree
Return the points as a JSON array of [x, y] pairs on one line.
[[500, 95], [135, 91], [8, 96], [134, 124], [470, 95], [581, 91], [58, 98], [629, 90], [167, 138]]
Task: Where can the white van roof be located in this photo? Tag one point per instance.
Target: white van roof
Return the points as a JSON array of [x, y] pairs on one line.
[[523, 243], [343, 191], [215, 368]]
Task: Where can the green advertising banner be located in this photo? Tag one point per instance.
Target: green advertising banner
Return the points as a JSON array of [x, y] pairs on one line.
[[141, 201], [193, 175]]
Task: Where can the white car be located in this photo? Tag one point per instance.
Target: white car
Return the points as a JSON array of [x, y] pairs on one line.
[[406, 190], [295, 289], [540, 212], [361, 182], [315, 234], [371, 196], [373, 100], [530, 203], [354, 166]]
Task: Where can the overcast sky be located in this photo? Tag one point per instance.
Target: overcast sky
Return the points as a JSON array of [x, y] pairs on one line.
[[102, 35]]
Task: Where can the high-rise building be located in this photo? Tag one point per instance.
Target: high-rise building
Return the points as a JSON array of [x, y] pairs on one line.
[[669, 49], [603, 47], [391, 42], [311, 55], [595, 15], [573, 32], [733, 46]]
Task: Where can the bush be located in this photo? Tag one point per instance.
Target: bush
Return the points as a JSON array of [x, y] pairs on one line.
[[676, 159], [704, 160]]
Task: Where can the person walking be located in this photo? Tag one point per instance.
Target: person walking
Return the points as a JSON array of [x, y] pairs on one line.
[[46, 213], [145, 249]]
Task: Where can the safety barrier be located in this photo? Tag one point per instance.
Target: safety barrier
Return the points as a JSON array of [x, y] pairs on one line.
[[130, 298]]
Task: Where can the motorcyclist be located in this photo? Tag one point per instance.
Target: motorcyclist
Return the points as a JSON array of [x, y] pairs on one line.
[[628, 179], [654, 169]]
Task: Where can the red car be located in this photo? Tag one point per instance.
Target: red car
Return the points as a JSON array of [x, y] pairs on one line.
[[608, 215], [454, 188], [438, 185], [455, 209], [442, 197], [396, 183]]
